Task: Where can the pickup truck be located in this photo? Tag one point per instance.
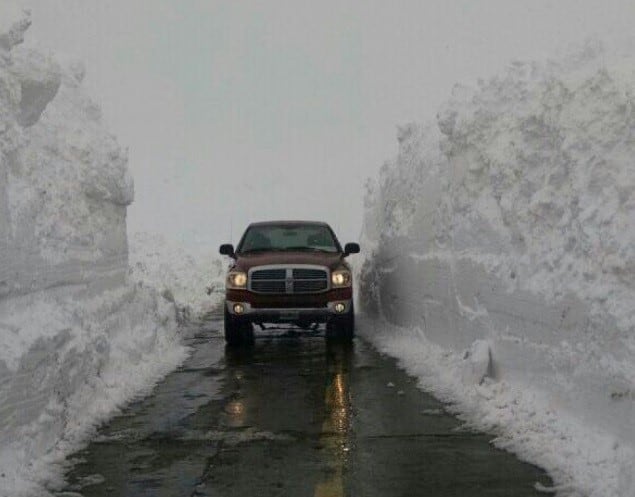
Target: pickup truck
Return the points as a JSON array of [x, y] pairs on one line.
[[291, 272]]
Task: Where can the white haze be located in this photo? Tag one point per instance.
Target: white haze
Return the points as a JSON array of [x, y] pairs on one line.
[[239, 111]]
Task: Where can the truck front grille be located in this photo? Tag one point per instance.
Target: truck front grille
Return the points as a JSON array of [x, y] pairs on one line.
[[289, 280], [269, 274], [264, 286], [308, 274], [310, 286]]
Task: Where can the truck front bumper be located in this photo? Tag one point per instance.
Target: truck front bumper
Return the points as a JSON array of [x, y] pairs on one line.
[[290, 314], [278, 309]]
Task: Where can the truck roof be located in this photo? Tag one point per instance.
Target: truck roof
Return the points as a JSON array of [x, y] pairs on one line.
[[289, 223]]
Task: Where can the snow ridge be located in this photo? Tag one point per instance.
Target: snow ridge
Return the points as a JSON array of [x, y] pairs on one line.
[[77, 339], [511, 220]]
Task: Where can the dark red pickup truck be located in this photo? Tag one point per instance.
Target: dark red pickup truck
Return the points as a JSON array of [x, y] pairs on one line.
[[289, 272]]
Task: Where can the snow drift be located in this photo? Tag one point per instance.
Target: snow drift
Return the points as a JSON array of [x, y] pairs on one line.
[[501, 244], [77, 339], [195, 282]]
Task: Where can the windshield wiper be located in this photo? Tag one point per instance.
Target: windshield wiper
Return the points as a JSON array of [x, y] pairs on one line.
[[311, 249], [261, 249]]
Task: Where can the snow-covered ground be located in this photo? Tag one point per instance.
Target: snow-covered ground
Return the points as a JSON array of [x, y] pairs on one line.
[[78, 337], [500, 251]]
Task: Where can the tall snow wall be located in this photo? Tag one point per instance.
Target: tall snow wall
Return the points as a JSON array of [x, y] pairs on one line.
[[510, 222], [71, 326]]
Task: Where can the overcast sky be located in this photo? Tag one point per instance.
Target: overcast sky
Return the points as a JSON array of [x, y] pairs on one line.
[[236, 111]]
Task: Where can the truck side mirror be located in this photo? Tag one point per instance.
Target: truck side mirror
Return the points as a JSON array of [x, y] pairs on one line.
[[227, 249], [351, 248]]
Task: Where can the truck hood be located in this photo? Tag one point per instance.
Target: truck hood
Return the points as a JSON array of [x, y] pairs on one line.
[[247, 261]]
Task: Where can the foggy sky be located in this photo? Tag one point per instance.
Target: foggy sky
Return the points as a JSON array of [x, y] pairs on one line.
[[236, 111]]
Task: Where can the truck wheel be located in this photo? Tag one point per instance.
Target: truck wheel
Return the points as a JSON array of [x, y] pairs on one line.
[[238, 331], [341, 328]]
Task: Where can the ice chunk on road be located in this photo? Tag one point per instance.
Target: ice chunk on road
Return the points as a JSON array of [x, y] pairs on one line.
[[478, 362]]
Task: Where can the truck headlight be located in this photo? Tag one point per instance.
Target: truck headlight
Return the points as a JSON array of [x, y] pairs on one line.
[[236, 279], [341, 278]]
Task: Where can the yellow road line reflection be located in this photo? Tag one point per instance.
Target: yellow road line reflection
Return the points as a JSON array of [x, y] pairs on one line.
[[335, 434]]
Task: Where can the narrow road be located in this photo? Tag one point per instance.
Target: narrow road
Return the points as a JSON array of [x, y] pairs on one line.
[[294, 417]]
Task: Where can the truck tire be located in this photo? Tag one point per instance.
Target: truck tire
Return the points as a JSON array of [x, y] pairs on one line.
[[238, 332]]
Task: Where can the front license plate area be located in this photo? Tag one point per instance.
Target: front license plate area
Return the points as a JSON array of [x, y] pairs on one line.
[[289, 315]]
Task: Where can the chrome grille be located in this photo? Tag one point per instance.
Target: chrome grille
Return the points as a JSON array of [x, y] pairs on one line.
[[288, 280]]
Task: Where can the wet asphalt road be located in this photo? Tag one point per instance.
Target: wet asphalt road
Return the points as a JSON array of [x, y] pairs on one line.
[[293, 416]]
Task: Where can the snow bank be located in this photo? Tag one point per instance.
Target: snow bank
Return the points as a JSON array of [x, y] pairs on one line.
[[501, 244], [195, 282], [77, 340]]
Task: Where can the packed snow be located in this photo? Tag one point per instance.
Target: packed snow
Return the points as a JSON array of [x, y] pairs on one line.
[[195, 282], [78, 337], [500, 251]]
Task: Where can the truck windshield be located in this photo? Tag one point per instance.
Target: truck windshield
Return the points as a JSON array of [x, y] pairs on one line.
[[314, 238]]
